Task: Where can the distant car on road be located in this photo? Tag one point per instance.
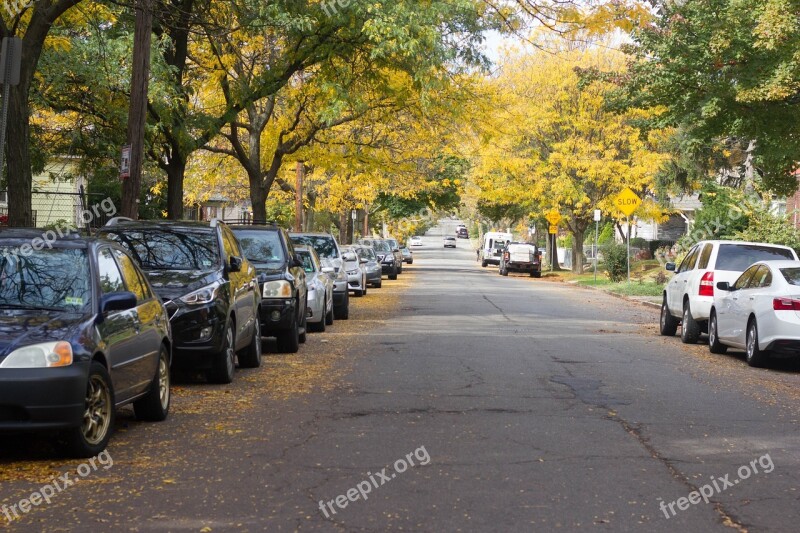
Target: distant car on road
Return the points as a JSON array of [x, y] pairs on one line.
[[759, 312], [689, 295], [408, 255], [462, 233], [449, 242], [82, 332], [415, 241]]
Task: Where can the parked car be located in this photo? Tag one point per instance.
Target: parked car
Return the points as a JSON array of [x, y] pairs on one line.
[[328, 251], [449, 242], [408, 255], [356, 275], [415, 241], [371, 264], [491, 248], [398, 255], [319, 311], [208, 286], [689, 295], [282, 283], [81, 333], [759, 312], [389, 263], [521, 257]]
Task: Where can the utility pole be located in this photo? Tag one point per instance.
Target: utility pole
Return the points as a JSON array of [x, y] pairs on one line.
[[298, 197], [137, 113]]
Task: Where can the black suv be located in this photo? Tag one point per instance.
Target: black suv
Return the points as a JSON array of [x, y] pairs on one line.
[[390, 265], [282, 283], [208, 286], [81, 333]]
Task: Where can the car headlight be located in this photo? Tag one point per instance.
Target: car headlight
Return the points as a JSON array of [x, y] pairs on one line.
[[45, 355], [202, 296], [340, 275], [277, 289]]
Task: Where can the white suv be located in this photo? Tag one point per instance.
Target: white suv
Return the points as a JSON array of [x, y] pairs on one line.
[[689, 294]]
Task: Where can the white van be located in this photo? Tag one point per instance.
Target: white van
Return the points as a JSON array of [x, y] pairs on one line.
[[492, 246]]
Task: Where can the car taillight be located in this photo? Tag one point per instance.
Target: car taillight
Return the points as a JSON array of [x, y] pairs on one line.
[[506, 256], [785, 304], [707, 284]]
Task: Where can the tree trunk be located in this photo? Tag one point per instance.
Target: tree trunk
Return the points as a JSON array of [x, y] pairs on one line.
[[343, 227], [20, 178], [258, 198], [577, 250], [176, 170]]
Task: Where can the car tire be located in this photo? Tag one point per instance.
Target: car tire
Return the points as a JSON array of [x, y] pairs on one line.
[[154, 407], [504, 272], [537, 274], [224, 364], [364, 292], [377, 284], [668, 324], [483, 264], [755, 356], [342, 312], [250, 357], [92, 435], [400, 268], [411, 262], [303, 335], [319, 327], [690, 329], [393, 274], [288, 341], [714, 346]]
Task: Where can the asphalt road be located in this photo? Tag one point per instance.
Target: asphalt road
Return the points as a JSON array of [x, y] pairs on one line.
[[453, 400]]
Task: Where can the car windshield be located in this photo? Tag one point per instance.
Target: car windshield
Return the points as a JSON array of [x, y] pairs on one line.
[[162, 249], [56, 278], [261, 246], [392, 243], [366, 253], [324, 245], [308, 261], [381, 246], [738, 257]]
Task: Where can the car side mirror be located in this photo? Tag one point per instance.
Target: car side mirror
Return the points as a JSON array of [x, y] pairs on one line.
[[363, 261], [724, 286], [328, 270], [296, 261], [670, 267], [117, 301], [396, 250], [235, 264]]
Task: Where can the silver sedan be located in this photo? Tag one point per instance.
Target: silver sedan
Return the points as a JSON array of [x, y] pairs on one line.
[[759, 312], [319, 309]]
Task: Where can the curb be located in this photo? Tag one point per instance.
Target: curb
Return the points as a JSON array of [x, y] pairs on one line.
[[621, 296]]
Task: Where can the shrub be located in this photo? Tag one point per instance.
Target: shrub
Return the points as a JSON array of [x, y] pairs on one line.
[[616, 260]]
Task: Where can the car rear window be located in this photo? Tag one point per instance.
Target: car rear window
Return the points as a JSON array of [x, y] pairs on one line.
[[738, 257], [261, 246], [325, 246], [163, 249]]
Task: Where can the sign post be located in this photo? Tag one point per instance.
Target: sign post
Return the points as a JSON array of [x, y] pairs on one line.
[[628, 201], [553, 217], [597, 215]]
